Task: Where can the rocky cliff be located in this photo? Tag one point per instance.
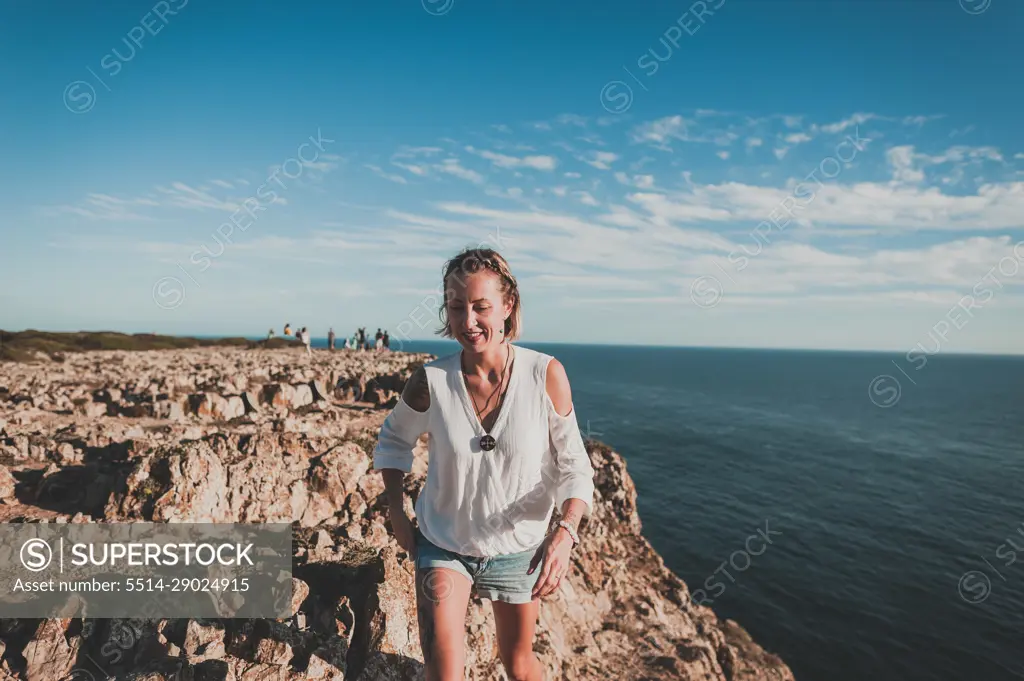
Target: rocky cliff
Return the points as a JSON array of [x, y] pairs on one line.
[[257, 435]]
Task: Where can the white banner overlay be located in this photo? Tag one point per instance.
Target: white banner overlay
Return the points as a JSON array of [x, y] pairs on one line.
[[194, 570]]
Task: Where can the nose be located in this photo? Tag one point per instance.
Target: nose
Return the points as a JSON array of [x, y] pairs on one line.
[[469, 321]]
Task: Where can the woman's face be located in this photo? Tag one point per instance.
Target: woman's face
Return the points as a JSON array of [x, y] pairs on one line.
[[476, 311]]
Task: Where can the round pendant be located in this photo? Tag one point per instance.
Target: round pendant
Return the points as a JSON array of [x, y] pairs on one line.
[[487, 443]]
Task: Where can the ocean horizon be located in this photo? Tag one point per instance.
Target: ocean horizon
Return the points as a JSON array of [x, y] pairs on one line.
[[413, 345]]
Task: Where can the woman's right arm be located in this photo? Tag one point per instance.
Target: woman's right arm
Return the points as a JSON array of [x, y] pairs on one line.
[[393, 454]]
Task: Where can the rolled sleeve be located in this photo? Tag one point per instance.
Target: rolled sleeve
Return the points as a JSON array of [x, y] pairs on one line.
[[575, 472], [398, 436]]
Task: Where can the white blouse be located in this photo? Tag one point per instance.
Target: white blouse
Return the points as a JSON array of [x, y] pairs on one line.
[[487, 503]]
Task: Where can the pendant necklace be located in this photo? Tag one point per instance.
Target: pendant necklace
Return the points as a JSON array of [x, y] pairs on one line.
[[487, 441]]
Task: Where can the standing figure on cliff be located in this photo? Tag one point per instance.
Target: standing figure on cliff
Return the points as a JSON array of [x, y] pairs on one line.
[[504, 451], [287, 329], [330, 339]]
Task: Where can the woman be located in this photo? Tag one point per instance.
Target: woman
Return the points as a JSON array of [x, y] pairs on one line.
[[505, 450]]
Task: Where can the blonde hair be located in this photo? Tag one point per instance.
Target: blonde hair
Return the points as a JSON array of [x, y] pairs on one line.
[[471, 261]]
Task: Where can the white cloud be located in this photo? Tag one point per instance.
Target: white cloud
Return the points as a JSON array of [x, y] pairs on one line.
[[798, 138], [183, 196], [572, 119], [855, 119], [387, 176], [104, 207], [411, 168], [222, 183], [586, 198], [600, 159], [901, 160], [661, 131], [587, 282], [908, 165], [753, 142], [504, 161], [724, 155], [919, 120], [890, 208], [780, 152], [452, 166], [414, 152]]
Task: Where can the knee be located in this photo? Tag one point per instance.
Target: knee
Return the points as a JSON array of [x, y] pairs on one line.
[[519, 666]]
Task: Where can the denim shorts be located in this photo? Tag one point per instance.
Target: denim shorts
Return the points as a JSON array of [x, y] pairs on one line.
[[498, 578]]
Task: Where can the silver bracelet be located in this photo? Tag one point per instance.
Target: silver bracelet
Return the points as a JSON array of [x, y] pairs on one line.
[[571, 531]]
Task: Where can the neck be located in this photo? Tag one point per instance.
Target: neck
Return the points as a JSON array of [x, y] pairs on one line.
[[489, 362]]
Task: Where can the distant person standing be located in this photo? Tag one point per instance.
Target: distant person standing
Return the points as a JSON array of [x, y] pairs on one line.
[[330, 339], [378, 344], [378, 336], [270, 334], [344, 344], [387, 340], [287, 329], [306, 340]]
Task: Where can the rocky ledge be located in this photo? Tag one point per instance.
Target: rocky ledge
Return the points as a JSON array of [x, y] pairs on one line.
[[257, 435]]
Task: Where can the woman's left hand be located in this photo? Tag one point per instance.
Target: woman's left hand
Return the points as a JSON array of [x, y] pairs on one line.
[[554, 553]]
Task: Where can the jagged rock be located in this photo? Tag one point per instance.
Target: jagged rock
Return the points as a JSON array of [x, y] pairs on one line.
[[384, 391], [208, 406], [278, 394], [319, 391], [51, 654], [169, 409], [300, 591], [270, 651], [230, 408], [108, 395], [350, 389], [301, 396], [328, 662], [7, 483], [251, 402], [337, 473], [92, 409], [199, 635]]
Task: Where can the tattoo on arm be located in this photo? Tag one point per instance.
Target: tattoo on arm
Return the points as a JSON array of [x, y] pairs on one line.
[[417, 391], [573, 518]]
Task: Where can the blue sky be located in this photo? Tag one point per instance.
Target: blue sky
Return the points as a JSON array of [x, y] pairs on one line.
[[730, 172]]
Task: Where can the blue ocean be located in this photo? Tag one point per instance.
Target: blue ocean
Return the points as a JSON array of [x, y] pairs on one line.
[[862, 529]]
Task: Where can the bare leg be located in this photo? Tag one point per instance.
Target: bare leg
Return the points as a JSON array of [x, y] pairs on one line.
[[442, 598], [515, 624]]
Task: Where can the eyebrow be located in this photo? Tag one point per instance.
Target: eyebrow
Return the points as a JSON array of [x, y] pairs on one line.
[[456, 299]]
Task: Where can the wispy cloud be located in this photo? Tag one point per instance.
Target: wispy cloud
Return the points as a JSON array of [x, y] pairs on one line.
[[505, 161]]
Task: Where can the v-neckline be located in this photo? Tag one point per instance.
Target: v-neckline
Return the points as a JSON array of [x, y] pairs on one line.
[[467, 399]]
